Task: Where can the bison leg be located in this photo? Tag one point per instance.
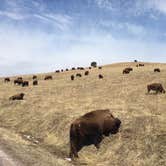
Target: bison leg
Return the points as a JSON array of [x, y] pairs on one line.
[[98, 140]]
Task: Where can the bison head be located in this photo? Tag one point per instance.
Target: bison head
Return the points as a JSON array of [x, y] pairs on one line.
[[116, 126]]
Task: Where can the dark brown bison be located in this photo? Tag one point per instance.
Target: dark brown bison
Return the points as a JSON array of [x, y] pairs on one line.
[[129, 68], [73, 68], [135, 61], [99, 67], [155, 87], [90, 128], [67, 69], [78, 75], [100, 76], [35, 82], [90, 68], [34, 77], [17, 97], [141, 64], [72, 77], [18, 82], [7, 79], [25, 83], [49, 77], [86, 73], [126, 71], [61, 70], [57, 71], [156, 70]]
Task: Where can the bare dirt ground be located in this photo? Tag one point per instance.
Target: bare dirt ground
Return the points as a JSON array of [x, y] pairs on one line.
[[35, 131]]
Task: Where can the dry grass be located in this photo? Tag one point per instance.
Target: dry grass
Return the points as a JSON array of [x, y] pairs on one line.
[[49, 108]]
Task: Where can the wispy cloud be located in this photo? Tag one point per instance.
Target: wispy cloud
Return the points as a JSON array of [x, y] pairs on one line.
[[13, 15], [63, 22]]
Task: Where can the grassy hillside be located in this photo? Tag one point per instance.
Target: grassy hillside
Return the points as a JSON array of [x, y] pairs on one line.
[[35, 131]]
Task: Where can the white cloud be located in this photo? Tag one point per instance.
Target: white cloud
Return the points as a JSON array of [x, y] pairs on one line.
[[33, 52], [13, 15]]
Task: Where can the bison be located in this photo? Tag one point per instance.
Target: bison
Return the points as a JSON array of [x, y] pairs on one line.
[[34, 77], [126, 71], [141, 64], [90, 128], [90, 68], [17, 97], [48, 77], [35, 82], [7, 79], [73, 68], [86, 73], [78, 75], [155, 87], [18, 82], [156, 70], [25, 83], [57, 71], [99, 67], [72, 77], [100, 76]]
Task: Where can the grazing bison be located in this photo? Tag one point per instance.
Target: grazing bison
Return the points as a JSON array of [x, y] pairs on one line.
[[17, 97], [7, 79], [86, 73], [49, 77], [78, 75], [100, 76], [35, 82], [141, 64], [25, 83], [34, 77], [90, 128], [126, 71], [156, 70], [72, 77], [155, 87], [18, 82]]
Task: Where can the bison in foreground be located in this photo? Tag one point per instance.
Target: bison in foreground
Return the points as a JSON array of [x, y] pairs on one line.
[[17, 97], [90, 128], [155, 87]]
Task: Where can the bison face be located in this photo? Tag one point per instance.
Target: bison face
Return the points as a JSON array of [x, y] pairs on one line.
[[111, 126], [115, 127]]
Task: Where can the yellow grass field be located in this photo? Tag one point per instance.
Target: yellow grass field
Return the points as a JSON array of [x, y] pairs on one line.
[[35, 131]]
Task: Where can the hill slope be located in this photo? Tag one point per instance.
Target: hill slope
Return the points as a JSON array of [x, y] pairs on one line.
[[35, 131]]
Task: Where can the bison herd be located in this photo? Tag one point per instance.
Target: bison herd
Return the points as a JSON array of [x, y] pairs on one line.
[[91, 128]]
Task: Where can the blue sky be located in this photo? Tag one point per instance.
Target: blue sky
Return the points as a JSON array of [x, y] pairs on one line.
[[45, 35]]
